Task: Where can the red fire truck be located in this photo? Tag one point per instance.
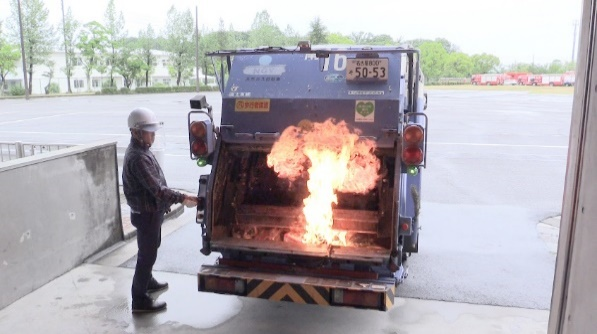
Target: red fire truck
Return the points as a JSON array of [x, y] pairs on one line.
[[487, 79]]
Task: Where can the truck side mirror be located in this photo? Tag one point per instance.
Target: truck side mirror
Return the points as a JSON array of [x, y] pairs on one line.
[[199, 102]]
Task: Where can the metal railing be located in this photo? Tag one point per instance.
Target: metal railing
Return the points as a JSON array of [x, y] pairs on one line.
[[16, 150]]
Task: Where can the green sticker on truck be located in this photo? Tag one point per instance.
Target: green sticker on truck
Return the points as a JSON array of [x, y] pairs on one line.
[[364, 111]]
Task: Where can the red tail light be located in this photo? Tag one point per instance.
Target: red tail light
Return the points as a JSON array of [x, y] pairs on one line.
[[413, 145], [413, 134], [412, 155], [198, 129], [199, 148], [201, 139]]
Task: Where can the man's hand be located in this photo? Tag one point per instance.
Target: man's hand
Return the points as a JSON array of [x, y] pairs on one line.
[[190, 201]]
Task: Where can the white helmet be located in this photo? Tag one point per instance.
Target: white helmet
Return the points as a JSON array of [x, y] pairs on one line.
[[143, 119]]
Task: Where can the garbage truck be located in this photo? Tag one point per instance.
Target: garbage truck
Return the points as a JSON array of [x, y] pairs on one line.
[[316, 164]]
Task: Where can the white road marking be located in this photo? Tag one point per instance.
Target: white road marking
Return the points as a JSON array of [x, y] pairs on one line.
[[186, 137], [42, 117], [81, 133], [498, 145]]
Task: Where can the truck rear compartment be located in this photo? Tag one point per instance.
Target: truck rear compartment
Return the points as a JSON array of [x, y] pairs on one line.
[[256, 210]]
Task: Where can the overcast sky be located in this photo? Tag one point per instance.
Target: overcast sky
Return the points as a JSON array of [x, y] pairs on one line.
[[513, 30]]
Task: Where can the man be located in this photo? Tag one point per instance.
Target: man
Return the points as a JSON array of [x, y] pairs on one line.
[[149, 197]]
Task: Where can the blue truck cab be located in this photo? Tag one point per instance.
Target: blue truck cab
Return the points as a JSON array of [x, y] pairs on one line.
[[247, 211]]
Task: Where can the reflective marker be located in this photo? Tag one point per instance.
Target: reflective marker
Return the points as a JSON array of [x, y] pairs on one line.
[[411, 170]]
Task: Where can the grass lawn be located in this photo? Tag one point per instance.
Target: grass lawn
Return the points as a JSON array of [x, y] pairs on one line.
[[527, 89]]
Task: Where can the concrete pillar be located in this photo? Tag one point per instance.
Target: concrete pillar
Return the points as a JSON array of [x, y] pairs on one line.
[[574, 299]]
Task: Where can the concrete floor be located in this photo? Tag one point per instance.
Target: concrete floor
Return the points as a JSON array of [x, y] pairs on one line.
[[95, 298]]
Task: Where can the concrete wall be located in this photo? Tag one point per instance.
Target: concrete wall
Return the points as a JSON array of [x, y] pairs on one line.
[[56, 209]]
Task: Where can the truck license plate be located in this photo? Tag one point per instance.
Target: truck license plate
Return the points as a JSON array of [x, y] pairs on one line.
[[367, 69]]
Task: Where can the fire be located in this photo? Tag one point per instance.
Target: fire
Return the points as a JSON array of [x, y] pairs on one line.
[[336, 159]]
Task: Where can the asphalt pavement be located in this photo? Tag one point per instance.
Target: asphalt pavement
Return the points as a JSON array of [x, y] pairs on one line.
[[95, 298], [491, 195]]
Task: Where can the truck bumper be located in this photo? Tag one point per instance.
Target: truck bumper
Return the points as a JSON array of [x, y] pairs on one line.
[[378, 294]]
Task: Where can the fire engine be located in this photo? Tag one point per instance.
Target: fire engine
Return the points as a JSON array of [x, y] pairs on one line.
[[315, 186], [487, 79]]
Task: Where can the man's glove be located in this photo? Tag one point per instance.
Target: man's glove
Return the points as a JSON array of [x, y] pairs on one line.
[[190, 201]]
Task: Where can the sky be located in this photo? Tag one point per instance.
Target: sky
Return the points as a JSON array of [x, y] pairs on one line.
[[517, 31]]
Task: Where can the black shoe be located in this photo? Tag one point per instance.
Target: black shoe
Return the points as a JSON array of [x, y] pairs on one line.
[[148, 306], [155, 286]]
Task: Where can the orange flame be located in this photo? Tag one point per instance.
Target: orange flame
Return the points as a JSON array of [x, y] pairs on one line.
[[337, 160]]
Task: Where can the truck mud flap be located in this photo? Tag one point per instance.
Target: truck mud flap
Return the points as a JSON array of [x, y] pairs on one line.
[[378, 294]]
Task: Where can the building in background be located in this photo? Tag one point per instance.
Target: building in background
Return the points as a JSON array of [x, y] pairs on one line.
[[159, 76]]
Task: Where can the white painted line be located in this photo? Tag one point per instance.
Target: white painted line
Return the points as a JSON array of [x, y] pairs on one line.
[[81, 133], [42, 117], [498, 145]]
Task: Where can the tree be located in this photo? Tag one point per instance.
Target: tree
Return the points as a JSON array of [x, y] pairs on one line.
[[208, 43], [484, 63], [49, 74], [238, 39], [433, 58], [458, 65], [416, 43], [366, 38], [360, 37], [129, 64], [222, 37], [38, 33], [339, 39], [556, 66], [9, 55], [180, 44], [448, 46], [382, 39], [70, 28], [115, 35], [264, 32], [292, 36], [146, 42], [92, 43], [318, 33]]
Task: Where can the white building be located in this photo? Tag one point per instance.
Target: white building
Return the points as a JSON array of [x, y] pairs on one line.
[[159, 76]]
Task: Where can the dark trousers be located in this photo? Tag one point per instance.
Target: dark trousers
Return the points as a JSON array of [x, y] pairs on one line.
[[149, 235]]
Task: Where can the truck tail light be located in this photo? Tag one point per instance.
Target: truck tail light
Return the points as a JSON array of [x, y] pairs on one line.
[[223, 285], [357, 298], [201, 140], [413, 145]]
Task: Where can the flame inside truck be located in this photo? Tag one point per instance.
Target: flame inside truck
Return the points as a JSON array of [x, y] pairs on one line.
[[314, 190]]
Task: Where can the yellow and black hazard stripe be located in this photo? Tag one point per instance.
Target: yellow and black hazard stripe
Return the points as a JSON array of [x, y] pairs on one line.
[[390, 295], [297, 293]]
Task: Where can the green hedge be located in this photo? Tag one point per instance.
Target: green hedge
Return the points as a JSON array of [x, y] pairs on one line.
[[17, 91], [109, 90], [54, 88], [155, 89], [175, 89]]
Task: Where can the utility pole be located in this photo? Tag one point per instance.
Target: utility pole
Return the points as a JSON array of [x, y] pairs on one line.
[[65, 49], [23, 51], [574, 42], [197, 47]]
